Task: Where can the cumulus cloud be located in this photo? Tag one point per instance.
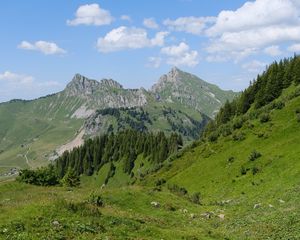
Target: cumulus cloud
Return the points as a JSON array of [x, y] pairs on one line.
[[129, 38], [150, 23], [260, 13], [91, 14], [154, 62], [273, 51], [19, 85], [16, 78], [193, 25], [47, 48], [180, 55], [254, 66], [294, 48], [256, 26]]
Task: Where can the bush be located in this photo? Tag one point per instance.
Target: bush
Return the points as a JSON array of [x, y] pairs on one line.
[[71, 179], [265, 117], [254, 155], [243, 170], [95, 199], [230, 159], [178, 190], [160, 182], [226, 130], [255, 170], [196, 198], [238, 136], [45, 176], [213, 137], [278, 105], [238, 123]]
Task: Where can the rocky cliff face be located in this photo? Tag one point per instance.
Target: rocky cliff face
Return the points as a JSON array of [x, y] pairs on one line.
[[103, 94]]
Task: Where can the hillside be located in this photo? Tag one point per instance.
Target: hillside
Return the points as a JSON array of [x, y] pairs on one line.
[[36, 131], [239, 181]]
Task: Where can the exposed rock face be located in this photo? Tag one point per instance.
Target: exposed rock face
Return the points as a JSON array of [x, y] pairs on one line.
[[98, 95], [81, 85]]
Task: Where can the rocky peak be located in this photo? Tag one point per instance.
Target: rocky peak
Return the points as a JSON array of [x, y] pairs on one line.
[[111, 83], [81, 85], [173, 76]]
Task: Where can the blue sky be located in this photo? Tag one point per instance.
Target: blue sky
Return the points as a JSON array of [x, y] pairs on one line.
[[44, 43]]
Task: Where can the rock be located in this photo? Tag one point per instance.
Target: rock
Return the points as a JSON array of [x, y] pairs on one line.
[[207, 215], [102, 186], [155, 204], [281, 201], [192, 215], [55, 223], [257, 205], [184, 210], [221, 216], [271, 206]]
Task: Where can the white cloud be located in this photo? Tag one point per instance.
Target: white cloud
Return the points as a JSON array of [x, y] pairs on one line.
[[254, 66], [126, 18], [194, 25], [150, 23], [48, 48], [91, 14], [154, 62], [180, 55], [11, 77], [253, 15], [258, 26], [129, 38], [294, 48], [18, 85], [273, 51]]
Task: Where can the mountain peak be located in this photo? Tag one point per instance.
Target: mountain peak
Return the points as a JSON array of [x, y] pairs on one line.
[[81, 84]]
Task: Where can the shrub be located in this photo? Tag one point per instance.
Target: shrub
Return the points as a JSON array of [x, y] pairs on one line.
[[278, 105], [226, 130], [238, 136], [265, 117], [196, 198], [178, 190], [238, 123], [254, 155], [170, 207], [71, 179], [95, 199], [243, 170], [160, 182], [230, 159], [213, 137], [255, 170], [45, 176]]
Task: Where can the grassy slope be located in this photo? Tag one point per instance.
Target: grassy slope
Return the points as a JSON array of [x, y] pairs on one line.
[[206, 169], [36, 128]]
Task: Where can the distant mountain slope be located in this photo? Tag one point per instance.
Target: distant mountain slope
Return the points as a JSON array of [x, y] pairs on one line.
[[30, 131], [186, 89]]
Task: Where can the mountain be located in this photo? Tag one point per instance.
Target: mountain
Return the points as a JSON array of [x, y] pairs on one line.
[[182, 88], [36, 131]]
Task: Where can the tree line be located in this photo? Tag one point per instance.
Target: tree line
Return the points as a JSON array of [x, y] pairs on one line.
[[264, 89], [124, 146]]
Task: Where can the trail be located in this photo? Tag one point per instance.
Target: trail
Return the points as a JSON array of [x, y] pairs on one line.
[[27, 161]]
